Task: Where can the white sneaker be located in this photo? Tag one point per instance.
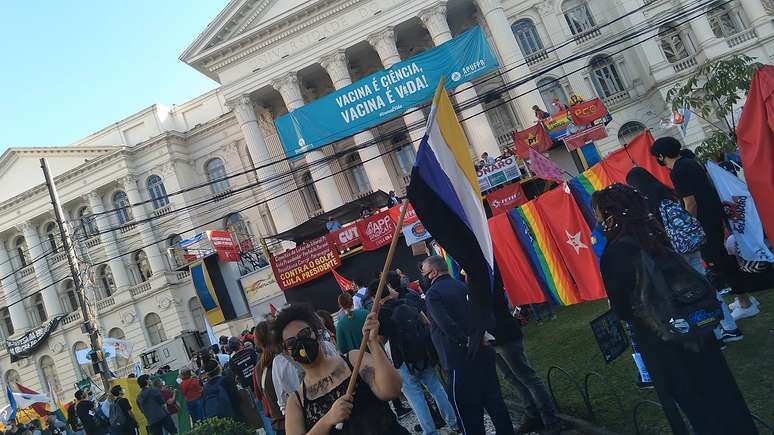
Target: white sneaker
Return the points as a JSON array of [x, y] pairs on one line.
[[743, 313], [735, 305]]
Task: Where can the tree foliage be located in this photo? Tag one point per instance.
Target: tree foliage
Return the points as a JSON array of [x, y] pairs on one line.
[[221, 426]]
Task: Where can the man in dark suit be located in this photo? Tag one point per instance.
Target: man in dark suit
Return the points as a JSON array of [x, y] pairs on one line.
[[473, 384]]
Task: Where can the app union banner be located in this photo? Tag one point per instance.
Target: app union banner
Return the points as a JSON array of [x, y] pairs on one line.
[[385, 94]]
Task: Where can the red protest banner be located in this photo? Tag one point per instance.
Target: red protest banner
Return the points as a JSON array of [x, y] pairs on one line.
[[224, 245], [304, 263], [504, 199], [411, 215], [377, 230], [588, 112], [345, 238], [579, 139]]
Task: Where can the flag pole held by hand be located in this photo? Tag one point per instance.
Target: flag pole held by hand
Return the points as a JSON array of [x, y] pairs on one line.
[[377, 302]]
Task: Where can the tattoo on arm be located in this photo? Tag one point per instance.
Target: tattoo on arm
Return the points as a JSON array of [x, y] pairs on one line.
[[367, 373]]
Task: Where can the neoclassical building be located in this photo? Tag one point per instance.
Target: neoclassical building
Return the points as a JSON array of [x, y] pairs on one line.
[[120, 185]]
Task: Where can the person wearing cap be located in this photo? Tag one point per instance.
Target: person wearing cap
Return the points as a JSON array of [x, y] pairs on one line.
[[215, 379], [120, 404]]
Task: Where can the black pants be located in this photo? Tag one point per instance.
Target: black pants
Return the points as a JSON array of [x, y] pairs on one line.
[[534, 395], [474, 388], [158, 428]]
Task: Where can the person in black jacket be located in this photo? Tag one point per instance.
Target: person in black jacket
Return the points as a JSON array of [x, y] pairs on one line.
[[87, 415], [473, 383]]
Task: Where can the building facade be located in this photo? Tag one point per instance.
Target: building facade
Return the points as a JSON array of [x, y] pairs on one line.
[[130, 190]]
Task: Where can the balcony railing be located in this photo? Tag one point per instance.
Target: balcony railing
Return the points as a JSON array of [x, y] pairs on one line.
[[162, 210], [505, 139], [129, 226], [72, 317], [27, 271], [58, 257], [105, 303], [317, 212], [741, 37], [536, 57], [685, 64], [363, 194], [140, 288], [183, 274], [93, 241], [617, 99], [586, 36], [222, 195]]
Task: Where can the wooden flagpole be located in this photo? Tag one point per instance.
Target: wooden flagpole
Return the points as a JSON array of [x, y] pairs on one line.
[[377, 301]]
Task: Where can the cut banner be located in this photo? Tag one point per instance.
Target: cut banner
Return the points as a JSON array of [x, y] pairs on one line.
[[521, 284]]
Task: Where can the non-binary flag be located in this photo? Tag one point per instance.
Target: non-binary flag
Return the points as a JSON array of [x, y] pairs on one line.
[[447, 198], [564, 220], [534, 137]]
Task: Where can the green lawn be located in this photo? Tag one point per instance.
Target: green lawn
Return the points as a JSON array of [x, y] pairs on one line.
[[567, 342]]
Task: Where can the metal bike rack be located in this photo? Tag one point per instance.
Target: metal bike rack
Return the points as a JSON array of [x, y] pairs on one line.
[[610, 389], [567, 375], [636, 410], [763, 423]]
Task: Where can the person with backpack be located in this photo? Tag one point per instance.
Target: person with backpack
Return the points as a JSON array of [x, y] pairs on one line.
[[86, 410], [72, 415], [673, 311], [122, 420], [219, 396], [685, 234], [152, 405]]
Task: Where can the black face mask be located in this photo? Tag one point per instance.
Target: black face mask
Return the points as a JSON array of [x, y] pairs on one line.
[[305, 350], [660, 161]]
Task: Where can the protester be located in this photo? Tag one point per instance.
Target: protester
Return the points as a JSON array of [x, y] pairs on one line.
[[559, 107], [191, 388], [393, 199], [487, 159], [684, 232], [274, 421], [693, 186], [349, 328], [219, 395], [122, 419], [168, 394], [360, 299], [398, 283], [366, 212], [152, 405], [473, 383], [242, 362], [691, 371], [72, 414], [540, 114], [332, 225], [55, 426], [330, 326], [575, 99], [321, 401], [34, 427], [86, 411]]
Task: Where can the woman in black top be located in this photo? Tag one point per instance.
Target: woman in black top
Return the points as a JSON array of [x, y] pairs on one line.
[[321, 402], [695, 376]]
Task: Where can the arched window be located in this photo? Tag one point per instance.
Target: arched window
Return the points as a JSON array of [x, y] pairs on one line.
[[88, 223], [724, 20], [629, 131], [155, 329], [527, 37], [48, 370], [673, 42], [122, 206], [236, 223], [105, 280], [21, 251], [39, 308], [356, 174], [81, 351], [69, 297], [118, 334], [6, 323], [51, 234], [404, 156], [216, 170], [578, 16], [176, 257], [198, 314], [309, 193], [157, 191], [142, 266], [605, 77], [12, 378], [550, 89]]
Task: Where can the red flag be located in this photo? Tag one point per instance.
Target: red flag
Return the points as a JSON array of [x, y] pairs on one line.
[[618, 163], [534, 137], [273, 310], [40, 408], [588, 112], [755, 136], [564, 220], [510, 196], [520, 283], [581, 138], [344, 284]]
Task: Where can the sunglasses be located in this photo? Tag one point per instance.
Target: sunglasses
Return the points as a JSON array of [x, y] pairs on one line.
[[307, 332]]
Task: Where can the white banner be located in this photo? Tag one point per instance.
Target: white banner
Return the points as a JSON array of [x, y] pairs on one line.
[[24, 400], [741, 213], [111, 348], [415, 232]]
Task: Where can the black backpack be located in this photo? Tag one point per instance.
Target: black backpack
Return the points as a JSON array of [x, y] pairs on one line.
[[673, 299], [412, 339], [217, 402], [119, 420]]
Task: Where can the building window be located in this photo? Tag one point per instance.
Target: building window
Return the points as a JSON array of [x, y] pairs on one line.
[[198, 314], [356, 174], [527, 37], [48, 370], [21, 251], [549, 89], [88, 222], [235, 223], [142, 266], [6, 323], [605, 77], [673, 42], [118, 334], [39, 308], [578, 16], [175, 251], [155, 329], [724, 21], [105, 280], [629, 131], [12, 378], [309, 193], [157, 191], [216, 170], [122, 206], [51, 235], [404, 156], [70, 298], [87, 371]]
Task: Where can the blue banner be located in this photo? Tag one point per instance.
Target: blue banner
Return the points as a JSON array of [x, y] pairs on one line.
[[385, 94]]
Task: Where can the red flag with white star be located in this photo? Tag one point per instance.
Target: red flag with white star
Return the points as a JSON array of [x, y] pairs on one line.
[[564, 220]]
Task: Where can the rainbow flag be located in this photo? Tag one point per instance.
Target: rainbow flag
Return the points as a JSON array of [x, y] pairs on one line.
[[584, 185], [544, 255], [454, 268]]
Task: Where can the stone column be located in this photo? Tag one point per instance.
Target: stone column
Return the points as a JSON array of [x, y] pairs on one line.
[[281, 211], [42, 272], [479, 132], [705, 38], [19, 317], [759, 18], [330, 197], [383, 42], [511, 56], [336, 66], [109, 242], [140, 213]]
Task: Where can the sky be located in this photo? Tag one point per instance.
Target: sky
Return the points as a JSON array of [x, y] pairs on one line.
[[71, 68]]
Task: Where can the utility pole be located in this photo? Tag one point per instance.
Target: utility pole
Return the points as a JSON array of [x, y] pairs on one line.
[[89, 326]]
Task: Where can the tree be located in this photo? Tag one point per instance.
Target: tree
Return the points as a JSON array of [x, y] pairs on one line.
[[712, 93]]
